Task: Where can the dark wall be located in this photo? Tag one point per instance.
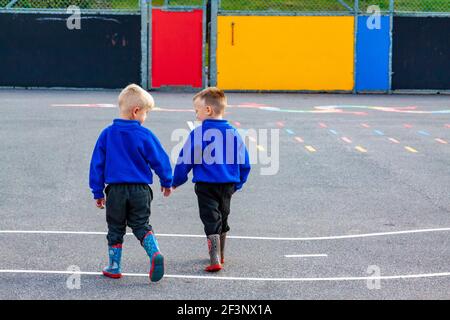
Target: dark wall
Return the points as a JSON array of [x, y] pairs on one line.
[[38, 50], [421, 53]]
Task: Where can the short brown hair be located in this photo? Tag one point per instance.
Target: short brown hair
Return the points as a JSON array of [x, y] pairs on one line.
[[213, 97], [134, 96]]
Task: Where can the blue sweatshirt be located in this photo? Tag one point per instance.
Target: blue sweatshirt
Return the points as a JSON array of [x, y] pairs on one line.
[[216, 153], [125, 152]]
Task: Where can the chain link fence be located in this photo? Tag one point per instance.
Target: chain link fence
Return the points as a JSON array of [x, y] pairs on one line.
[[332, 6], [366, 6], [270, 6], [63, 4], [287, 5], [92, 4], [422, 6], [407, 6], [174, 3]]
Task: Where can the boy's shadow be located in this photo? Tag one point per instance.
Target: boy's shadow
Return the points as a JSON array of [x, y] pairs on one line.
[[190, 267]]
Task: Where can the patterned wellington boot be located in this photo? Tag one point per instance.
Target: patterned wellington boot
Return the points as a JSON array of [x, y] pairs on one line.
[[114, 269], [223, 238], [214, 254], [156, 258]]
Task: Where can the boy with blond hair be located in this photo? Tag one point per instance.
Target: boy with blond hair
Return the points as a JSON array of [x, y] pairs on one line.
[[122, 159], [220, 163]]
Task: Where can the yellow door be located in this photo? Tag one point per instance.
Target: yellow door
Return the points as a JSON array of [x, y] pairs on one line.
[[285, 53]]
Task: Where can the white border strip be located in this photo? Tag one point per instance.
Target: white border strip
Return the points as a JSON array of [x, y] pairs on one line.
[[403, 277], [365, 235]]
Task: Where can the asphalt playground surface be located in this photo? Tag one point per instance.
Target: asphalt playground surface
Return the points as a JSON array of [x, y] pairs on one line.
[[362, 185]]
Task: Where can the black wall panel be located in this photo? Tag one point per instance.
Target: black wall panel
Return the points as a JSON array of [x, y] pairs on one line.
[[39, 50], [421, 53]]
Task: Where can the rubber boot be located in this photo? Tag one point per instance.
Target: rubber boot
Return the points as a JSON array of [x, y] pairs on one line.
[[223, 238], [214, 253], [156, 258], [114, 269]]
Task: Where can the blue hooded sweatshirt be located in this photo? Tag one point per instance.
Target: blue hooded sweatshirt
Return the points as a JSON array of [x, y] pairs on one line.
[[125, 152], [216, 154]]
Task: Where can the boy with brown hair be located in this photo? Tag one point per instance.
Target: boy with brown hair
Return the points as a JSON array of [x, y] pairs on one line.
[[220, 163]]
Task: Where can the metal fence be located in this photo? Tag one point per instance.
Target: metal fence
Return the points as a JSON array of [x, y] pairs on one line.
[[422, 6], [63, 4], [335, 6], [174, 3], [267, 6], [406, 6], [287, 6], [93, 4]]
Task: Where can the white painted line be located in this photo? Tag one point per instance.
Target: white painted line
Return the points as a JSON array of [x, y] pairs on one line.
[[53, 232], [174, 276], [90, 105], [352, 236], [305, 255]]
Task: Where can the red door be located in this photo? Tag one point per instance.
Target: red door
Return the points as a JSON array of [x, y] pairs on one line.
[[177, 48]]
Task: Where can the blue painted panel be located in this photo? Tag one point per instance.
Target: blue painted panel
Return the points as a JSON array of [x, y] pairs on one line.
[[372, 54]]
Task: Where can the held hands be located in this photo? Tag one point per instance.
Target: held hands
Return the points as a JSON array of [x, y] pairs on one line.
[[100, 203], [166, 191]]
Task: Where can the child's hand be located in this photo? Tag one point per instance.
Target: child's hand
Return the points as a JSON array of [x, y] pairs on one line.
[[100, 203], [166, 191]]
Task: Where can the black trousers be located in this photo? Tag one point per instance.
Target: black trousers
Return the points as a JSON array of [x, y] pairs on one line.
[[127, 204], [214, 205]]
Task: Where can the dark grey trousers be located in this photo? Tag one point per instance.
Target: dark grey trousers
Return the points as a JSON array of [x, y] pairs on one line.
[[214, 201], [127, 204]]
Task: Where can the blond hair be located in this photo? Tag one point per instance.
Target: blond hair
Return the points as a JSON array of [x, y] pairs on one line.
[[213, 97], [134, 96]]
